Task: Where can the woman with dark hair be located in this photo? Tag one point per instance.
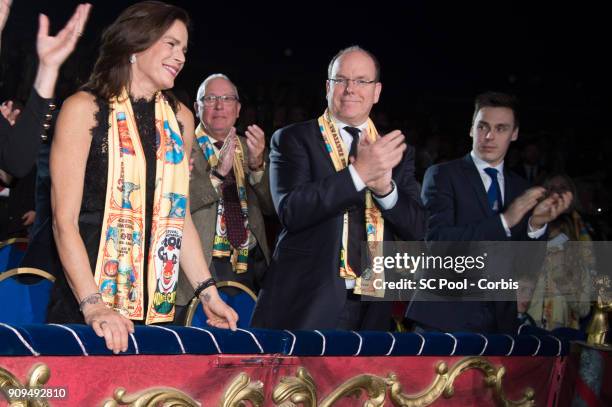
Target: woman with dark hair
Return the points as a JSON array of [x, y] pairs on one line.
[[119, 171]]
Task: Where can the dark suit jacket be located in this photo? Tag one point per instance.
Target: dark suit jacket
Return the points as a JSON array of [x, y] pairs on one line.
[[19, 143], [458, 210], [41, 252], [303, 289], [204, 201], [20, 201]]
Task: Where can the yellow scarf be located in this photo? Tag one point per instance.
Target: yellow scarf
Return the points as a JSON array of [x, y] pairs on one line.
[[374, 222], [120, 264], [221, 244]]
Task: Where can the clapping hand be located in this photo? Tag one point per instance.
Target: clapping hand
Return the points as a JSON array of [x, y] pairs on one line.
[[226, 154], [9, 112], [256, 143], [550, 208], [376, 159]]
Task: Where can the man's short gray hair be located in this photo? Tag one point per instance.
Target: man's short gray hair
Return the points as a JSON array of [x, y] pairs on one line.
[[354, 48], [202, 87]]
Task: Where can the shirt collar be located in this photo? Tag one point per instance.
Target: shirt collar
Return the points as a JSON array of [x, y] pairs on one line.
[[341, 125], [481, 164]]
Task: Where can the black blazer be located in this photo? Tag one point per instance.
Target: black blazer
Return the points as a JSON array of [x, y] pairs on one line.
[[19, 144], [458, 210], [302, 288]]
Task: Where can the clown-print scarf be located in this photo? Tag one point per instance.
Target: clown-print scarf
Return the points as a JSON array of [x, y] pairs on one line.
[[221, 244], [121, 258], [374, 222]]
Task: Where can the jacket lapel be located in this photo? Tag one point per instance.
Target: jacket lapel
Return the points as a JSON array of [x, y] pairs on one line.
[[471, 173], [510, 188]]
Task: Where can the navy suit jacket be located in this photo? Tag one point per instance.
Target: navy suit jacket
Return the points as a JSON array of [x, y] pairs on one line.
[[302, 288], [458, 210]]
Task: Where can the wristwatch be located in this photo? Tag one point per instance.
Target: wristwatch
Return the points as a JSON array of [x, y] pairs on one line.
[[388, 193], [216, 174]]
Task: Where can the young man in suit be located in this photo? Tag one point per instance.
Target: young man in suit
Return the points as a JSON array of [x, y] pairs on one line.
[[336, 183], [475, 198]]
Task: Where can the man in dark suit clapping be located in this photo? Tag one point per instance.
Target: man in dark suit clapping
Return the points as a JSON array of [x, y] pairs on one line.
[[475, 198], [336, 183]]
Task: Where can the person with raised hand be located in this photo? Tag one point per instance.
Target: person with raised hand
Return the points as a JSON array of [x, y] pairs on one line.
[[20, 138]]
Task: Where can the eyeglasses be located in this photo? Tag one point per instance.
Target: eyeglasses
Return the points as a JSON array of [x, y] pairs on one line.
[[211, 100], [360, 83]]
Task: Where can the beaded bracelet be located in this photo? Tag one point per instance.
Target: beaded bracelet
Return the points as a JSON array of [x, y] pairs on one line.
[[203, 286], [88, 298]]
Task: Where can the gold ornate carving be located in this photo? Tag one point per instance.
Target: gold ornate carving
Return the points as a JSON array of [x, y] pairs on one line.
[[291, 391], [300, 389], [443, 385], [376, 388], [241, 390], [38, 376], [528, 393], [164, 396], [423, 398]]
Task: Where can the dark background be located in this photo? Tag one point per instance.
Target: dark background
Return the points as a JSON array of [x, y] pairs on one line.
[[435, 58]]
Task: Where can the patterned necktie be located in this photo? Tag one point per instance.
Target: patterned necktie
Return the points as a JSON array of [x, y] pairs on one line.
[[494, 192], [353, 131], [234, 220], [356, 226]]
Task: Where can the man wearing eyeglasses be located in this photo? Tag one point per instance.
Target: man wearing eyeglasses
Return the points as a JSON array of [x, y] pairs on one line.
[[229, 189], [336, 183]]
